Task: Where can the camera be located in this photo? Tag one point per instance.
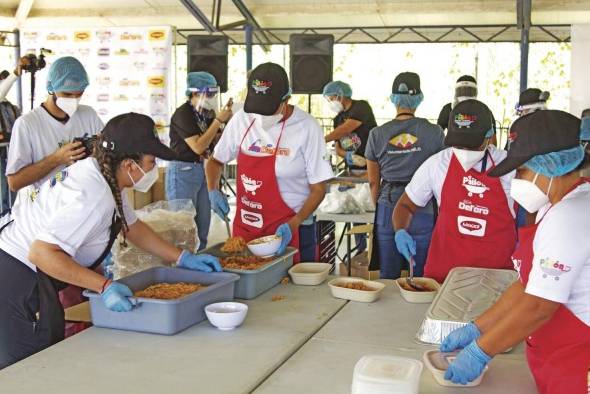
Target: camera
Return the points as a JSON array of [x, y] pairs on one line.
[[36, 63], [87, 144]]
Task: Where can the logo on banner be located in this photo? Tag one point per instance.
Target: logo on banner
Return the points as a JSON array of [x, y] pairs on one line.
[[251, 185], [103, 97], [471, 226], [131, 37], [474, 186], [104, 52], [251, 218], [122, 52], [159, 51], [157, 35], [84, 51], [104, 35], [103, 66], [31, 35], [157, 81], [56, 37], [103, 112], [128, 82], [251, 204], [468, 206], [103, 81], [553, 268], [82, 36]]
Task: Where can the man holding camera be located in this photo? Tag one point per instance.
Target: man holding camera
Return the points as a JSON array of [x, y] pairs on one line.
[[48, 138]]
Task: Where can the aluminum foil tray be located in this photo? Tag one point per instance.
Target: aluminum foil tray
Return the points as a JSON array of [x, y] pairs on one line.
[[465, 295]]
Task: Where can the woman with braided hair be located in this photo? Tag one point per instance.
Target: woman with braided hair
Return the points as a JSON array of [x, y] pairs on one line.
[[65, 229]]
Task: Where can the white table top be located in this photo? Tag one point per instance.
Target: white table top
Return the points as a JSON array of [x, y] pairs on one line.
[[367, 217], [326, 363], [201, 359]]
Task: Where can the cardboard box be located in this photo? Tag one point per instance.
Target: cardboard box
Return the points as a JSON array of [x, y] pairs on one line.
[[137, 199], [159, 188], [360, 268]]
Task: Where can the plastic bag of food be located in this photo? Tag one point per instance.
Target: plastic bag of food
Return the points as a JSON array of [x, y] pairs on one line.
[[172, 220], [340, 202], [362, 194]]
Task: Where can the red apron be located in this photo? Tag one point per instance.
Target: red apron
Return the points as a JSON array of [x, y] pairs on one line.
[[260, 207], [559, 351], [474, 227]]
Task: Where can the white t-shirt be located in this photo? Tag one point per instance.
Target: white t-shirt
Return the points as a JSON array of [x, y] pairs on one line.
[[561, 248], [301, 159], [429, 178], [37, 135], [73, 210]]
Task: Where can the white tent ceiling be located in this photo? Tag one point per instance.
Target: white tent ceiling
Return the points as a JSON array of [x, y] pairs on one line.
[[294, 13]]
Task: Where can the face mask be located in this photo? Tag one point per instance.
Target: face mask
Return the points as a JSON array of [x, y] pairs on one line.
[[147, 180], [528, 195], [67, 104], [468, 158], [336, 106], [210, 103], [267, 122]]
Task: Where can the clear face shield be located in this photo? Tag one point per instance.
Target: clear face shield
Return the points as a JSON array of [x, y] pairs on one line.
[[464, 90], [206, 99]]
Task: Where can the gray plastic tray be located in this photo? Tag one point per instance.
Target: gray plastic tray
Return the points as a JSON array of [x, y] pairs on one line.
[[164, 316], [252, 283], [465, 295]]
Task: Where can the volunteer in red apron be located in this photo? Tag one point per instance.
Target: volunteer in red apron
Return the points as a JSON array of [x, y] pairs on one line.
[[475, 225], [282, 165], [60, 233], [549, 306]]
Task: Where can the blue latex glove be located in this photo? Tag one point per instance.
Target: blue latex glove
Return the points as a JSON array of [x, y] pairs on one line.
[[284, 231], [405, 244], [219, 203], [199, 262], [115, 297], [348, 158], [460, 338], [468, 365]]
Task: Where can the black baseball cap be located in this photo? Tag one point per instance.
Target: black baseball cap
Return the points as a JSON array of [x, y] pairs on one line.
[[406, 83], [466, 78], [133, 133], [532, 96], [268, 85], [538, 133], [469, 122]]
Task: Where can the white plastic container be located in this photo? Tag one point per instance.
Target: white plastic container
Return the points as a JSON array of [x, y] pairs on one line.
[[226, 315], [265, 246], [438, 363], [381, 374], [356, 295], [419, 297], [309, 274]]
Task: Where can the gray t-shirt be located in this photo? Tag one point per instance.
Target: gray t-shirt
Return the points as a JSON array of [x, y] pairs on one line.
[[401, 146]]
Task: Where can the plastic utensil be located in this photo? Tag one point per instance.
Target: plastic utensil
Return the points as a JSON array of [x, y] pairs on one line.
[[410, 279], [226, 220]]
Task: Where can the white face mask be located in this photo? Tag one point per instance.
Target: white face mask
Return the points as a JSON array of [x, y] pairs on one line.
[[268, 121], [147, 180], [528, 195], [336, 106], [468, 158], [68, 104], [210, 104]]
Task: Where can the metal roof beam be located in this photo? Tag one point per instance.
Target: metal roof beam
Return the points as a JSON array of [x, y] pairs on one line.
[[252, 21], [199, 15]]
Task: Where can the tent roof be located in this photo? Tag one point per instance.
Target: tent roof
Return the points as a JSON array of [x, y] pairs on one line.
[[321, 14]]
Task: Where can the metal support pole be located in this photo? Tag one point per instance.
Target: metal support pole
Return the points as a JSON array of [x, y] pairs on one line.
[[524, 58], [19, 84], [248, 32]]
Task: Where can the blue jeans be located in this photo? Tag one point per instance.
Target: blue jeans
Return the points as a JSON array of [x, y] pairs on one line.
[[390, 260], [186, 181]]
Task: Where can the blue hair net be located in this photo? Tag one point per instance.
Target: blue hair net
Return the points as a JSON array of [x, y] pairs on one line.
[[557, 163], [585, 129], [337, 88], [407, 100], [67, 74], [199, 81]]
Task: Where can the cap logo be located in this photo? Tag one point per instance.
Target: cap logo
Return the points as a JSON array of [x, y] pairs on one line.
[[261, 87], [465, 120]]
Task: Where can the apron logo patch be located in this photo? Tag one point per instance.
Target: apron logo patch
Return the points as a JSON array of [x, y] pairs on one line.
[[516, 263], [468, 206], [471, 226], [252, 219], [261, 87], [474, 186], [251, 185], [251, 204], [553, 268], [268, 149]]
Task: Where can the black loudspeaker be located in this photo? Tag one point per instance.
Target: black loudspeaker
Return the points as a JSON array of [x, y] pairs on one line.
[[209, 53], [311, 62]]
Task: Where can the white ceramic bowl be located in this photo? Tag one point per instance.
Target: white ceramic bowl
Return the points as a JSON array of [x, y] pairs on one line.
[[309, 274], [265, 246], [419, 297], [226, 315]]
